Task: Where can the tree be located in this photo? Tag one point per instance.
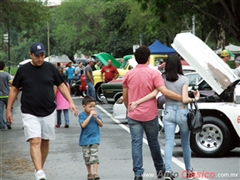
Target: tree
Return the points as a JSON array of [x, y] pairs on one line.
[[23, 15], [222, 12], [84, 32]]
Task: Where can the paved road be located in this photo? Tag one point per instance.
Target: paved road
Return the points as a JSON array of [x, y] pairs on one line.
[[65, 160]]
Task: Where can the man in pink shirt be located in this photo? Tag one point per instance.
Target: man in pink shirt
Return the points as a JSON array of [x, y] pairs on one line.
[[138, 83]]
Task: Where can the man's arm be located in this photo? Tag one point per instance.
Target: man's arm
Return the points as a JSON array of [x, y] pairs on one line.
[[65, 92], [11, 99], [125, 97], [170, 94], [90, 77], [133, 105], [116, 76]]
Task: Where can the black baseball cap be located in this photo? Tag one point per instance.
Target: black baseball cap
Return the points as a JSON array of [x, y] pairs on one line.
[[37, 48]]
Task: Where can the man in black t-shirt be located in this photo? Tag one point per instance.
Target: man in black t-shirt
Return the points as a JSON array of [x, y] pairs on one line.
[[37, 79]]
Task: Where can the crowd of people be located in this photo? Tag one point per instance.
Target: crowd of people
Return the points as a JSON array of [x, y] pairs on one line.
[[41, 113]]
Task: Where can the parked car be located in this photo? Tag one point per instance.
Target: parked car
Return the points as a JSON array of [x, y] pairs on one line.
[[220, 111], [103, 58], [155, 59], [219, 103], [113, 90]]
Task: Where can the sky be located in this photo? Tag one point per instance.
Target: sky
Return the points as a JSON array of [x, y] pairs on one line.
[[54, 1]]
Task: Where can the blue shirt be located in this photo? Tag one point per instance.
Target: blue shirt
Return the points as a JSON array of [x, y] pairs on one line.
[[69, 72], [91, 133]]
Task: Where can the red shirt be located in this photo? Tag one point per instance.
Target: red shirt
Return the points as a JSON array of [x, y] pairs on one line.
[[141, 81], [109, 72]]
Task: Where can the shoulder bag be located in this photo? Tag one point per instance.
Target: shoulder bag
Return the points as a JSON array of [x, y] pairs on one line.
[[194, 118]]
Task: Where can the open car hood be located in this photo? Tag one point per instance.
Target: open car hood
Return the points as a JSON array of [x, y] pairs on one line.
[[206, 62]]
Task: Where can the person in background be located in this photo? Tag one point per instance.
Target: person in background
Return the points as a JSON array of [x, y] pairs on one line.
[[5, 83], [79, 71], [62, 104], [226, 55], [175, 113], [89, 139], [89, 79], [37, 79], [58, 65], [69, 72], [137, 83], [110, 72], [97, 65], [237, 64]]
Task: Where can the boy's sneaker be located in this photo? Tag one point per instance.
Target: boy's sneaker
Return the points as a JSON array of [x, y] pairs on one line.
[[168, 176], [96, 177], [40, 175], [90, 177], [57, 126]]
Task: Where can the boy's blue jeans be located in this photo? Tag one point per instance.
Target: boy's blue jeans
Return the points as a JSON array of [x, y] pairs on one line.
[[151, 129]]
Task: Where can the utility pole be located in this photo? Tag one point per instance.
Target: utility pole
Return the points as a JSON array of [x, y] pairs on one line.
[[193, 24], [9, 65], [48, 40], [7, 40], [140, 39]]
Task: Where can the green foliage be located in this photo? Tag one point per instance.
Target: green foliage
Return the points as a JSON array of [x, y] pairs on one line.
[[211, 12], [112, 26], [23, 14], [232, 64]]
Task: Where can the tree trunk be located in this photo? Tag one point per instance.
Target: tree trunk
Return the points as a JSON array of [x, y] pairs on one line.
[[221, 38]]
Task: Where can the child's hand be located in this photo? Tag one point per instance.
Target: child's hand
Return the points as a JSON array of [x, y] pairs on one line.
[[93, 113]]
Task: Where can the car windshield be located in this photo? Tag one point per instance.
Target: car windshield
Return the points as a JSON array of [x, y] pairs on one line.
[[193, 78]]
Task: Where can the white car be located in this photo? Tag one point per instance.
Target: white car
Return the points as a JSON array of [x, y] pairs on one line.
[[220, 111], [220, 102]]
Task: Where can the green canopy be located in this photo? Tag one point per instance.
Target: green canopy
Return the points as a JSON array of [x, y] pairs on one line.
[[104, 57]]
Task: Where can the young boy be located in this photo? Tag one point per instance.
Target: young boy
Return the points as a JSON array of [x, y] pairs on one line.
[[90, 121]]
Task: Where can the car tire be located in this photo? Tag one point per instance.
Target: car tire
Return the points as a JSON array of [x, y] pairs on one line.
[[98, 90], [214, 140], [84, 93]]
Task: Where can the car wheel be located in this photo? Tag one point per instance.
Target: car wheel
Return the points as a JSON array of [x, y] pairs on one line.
[[214, 139], [84, 93], [98, 90]]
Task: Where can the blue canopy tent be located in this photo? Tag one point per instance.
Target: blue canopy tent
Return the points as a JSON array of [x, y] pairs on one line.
[[158, 48]]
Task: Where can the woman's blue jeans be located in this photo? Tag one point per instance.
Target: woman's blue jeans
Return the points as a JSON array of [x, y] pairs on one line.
[[151, 129], [91, 90], [66, 117], [176, 115]]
